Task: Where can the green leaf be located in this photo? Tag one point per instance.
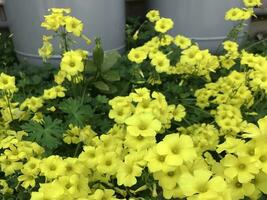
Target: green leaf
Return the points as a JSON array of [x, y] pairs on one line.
[[111, 76], [110, 60], [101, 86], [102, 99], [77, 112], [90, 66], [48, 134]]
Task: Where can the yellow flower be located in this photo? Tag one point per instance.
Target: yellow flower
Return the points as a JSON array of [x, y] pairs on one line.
[[127, 174], [139, 142], [46, 50], [258, 132], [161, 63], [143, 124], [33, 103], [89, 157], [252, 3], [139, 94], [179, 113], [32, 167], [52, 167], [163, 25], [72, 64], [74, 166], [60, 77], [27, 180], [137, 55], [182, 42], [153, 15], [244, 168], [60, 10], [53, 21], [38, 117], [177, 149], [202, 185], [108, 163], [72, 136], [155, 161], [52, 109], [73, 25], [4, 188], [103, 194], [168, 179], [7, 82], [49, 191], [74, 185], [240, 190]]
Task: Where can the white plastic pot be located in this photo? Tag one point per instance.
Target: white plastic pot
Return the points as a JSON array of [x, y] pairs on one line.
[[201, 20], [104, 18]]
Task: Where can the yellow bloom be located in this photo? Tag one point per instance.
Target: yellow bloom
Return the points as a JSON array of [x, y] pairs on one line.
[[127, 174], [137, 55], [139, 94], [46, 50], [103, 194], [143, 124], [108, 163], [161, 63], [153, 15], [163, 25], [155, 161], [73, 25], [177, 149], [52, 167], [168, 179], [72, 64], [244, 168], [252, 3], [201, 184], [179, 113], [72, 136], [7, 82], [240, 190], [4, 188], [182, 42], [49, 191], [27, 180], [33, 103]]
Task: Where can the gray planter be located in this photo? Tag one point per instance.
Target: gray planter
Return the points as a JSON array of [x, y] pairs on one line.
[[201, 20], [104, 18]]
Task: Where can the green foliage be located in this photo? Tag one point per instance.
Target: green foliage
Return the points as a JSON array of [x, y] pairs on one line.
[[7, 53], [103, 74], [77, 113], [48, 134]]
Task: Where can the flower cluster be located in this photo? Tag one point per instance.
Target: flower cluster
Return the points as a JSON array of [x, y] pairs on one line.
[[236, 14]]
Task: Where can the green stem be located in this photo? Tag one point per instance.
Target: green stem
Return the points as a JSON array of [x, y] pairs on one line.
[[77, 149], [256, 43], [9, 105]]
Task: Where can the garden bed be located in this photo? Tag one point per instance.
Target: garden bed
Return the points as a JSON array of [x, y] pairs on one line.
[[164, 120]]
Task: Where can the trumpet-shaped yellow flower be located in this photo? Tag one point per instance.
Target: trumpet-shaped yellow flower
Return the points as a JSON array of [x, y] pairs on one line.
[[201, 184], [127, 174], [72, 64], [177, 149], [163, 25], [52, 167], [74, 25], [7, 82], [244, 168], [143, 124], [137, 55], [153, 15]]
